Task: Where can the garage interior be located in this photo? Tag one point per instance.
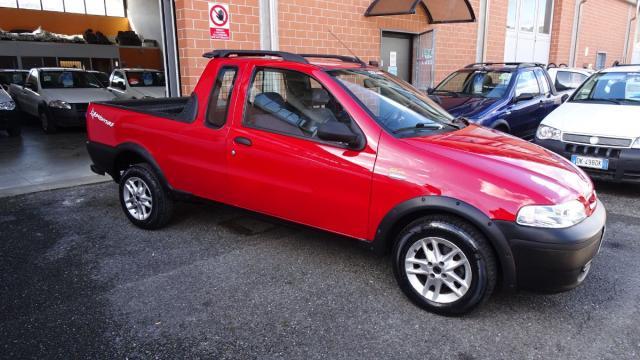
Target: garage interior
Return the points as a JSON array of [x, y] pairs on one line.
[[97, 35]]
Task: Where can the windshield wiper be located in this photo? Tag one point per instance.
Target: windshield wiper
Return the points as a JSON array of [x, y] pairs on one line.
[[419, 126], [447, 92], [460, 122], [613, 101]]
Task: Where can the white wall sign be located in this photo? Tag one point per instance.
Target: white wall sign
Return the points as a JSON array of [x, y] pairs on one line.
[[393, 56], [219, 21]]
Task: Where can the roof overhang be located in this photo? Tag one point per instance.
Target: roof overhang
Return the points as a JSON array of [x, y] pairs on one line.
[[438, 11]]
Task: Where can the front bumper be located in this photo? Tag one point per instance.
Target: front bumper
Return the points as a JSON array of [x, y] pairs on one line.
[[9, 119], [554, 260], [70, 117], [624, 164]]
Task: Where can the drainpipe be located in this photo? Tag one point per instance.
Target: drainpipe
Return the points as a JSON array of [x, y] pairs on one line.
[[637, 33], [627, 35], [483, 26], [574, 32]]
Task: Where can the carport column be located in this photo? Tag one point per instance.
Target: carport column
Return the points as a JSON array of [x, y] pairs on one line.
[[171, 61], [269, 25]]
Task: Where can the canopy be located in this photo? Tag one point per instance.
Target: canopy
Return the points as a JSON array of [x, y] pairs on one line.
[[438, 11]]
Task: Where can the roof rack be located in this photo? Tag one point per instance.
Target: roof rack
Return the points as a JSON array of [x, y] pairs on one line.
[[517, 64], [349, 59], [281, 54], [617, 63]]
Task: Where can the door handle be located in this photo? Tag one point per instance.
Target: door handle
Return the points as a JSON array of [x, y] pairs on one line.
[[241, 140]]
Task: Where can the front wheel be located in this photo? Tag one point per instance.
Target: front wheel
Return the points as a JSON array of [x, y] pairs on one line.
[[48, 123], [144, 200], [444, 265]]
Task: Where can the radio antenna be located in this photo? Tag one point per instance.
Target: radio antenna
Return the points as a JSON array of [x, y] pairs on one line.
[[346, 47]]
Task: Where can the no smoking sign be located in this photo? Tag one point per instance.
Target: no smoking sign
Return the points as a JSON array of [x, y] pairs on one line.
[[219, 21]]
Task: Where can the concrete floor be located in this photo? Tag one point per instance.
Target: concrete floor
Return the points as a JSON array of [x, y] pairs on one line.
[[77, 280], [37, 161]]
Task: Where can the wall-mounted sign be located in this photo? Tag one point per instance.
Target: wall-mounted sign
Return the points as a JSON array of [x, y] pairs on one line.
[[219, 21]]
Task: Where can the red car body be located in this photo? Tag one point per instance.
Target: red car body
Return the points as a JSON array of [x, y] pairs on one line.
[[480, 174]]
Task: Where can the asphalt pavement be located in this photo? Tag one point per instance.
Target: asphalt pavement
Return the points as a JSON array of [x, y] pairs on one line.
[[77, 280]]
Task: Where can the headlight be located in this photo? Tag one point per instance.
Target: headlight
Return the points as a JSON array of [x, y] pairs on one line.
[[59, 104], [547, 133], [636, 144], [7, 105], [552, 216]]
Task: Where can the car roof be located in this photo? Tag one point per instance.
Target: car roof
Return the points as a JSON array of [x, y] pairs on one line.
[[139, 69], [622, 68], [14, 70], [59, 69]]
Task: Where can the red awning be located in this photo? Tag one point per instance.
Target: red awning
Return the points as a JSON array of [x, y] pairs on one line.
[[438, 11]]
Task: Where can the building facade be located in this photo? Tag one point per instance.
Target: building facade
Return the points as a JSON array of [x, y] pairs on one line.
[[582, 33]]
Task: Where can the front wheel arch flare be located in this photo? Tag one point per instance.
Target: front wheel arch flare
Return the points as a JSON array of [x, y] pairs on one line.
[[412, 209]]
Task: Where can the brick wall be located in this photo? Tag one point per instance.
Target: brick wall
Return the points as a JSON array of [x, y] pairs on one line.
[[302, 27], [497, 28], [602, 28], [561, 27]]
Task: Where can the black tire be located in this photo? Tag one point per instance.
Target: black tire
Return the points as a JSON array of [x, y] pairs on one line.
[[502, 128], [14, 132], [47, 122], [162, 203], [469, 240]]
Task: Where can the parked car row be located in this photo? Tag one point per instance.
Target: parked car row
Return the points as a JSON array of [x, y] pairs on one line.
[[59, 97]]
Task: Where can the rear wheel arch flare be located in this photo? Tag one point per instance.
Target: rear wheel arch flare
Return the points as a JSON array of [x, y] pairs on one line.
[[128, 154], [410, 210]]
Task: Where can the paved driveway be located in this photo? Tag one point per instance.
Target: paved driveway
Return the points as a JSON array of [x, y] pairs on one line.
[[77, 280]]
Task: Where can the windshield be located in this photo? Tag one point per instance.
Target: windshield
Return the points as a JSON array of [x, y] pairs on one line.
[[12, 77], [479, 83], [68, 80], [611, 87], [102, 78], [145, 78], [395, 105]]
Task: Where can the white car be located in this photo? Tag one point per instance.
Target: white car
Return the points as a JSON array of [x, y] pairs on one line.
[[137, 83], [567, 79], [58, 96], [598, 128]]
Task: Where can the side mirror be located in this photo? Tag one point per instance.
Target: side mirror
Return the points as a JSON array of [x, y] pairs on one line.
[[430, 90], [525, 96], [337, 131], [564, 97]]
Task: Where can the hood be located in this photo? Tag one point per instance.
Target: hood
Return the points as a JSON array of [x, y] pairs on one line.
[[596, 119], [151, 91], [77, 96], [467, 106], [511, 168], [4, 96]]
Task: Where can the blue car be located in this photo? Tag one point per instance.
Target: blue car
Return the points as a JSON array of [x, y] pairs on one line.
[[511, 97]]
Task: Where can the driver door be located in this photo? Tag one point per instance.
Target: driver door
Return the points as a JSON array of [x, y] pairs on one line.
[[279, 166], [524, 115]]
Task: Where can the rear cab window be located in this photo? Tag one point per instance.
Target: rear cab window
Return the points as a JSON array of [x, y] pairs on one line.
[[220, 98]]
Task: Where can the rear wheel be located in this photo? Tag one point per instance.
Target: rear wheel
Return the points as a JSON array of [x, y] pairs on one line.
[[47, 122], [444, 265], [144, 200]]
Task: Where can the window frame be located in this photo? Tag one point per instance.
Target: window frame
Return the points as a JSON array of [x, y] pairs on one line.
[[219, 77], [353, 125], [64, 9]]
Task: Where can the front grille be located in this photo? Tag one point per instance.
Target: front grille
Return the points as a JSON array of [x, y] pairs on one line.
[[596, 151], [602, 140], [80, 107]]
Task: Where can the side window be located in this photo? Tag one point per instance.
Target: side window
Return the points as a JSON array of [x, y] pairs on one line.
[[569, 80], [220, 97], [542, 80], [527, 84], [291, 103]]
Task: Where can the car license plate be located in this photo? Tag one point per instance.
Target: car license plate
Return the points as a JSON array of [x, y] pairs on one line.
[[590, 162]]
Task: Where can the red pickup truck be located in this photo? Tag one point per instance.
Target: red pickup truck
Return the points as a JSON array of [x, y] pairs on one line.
[[332, 143]]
